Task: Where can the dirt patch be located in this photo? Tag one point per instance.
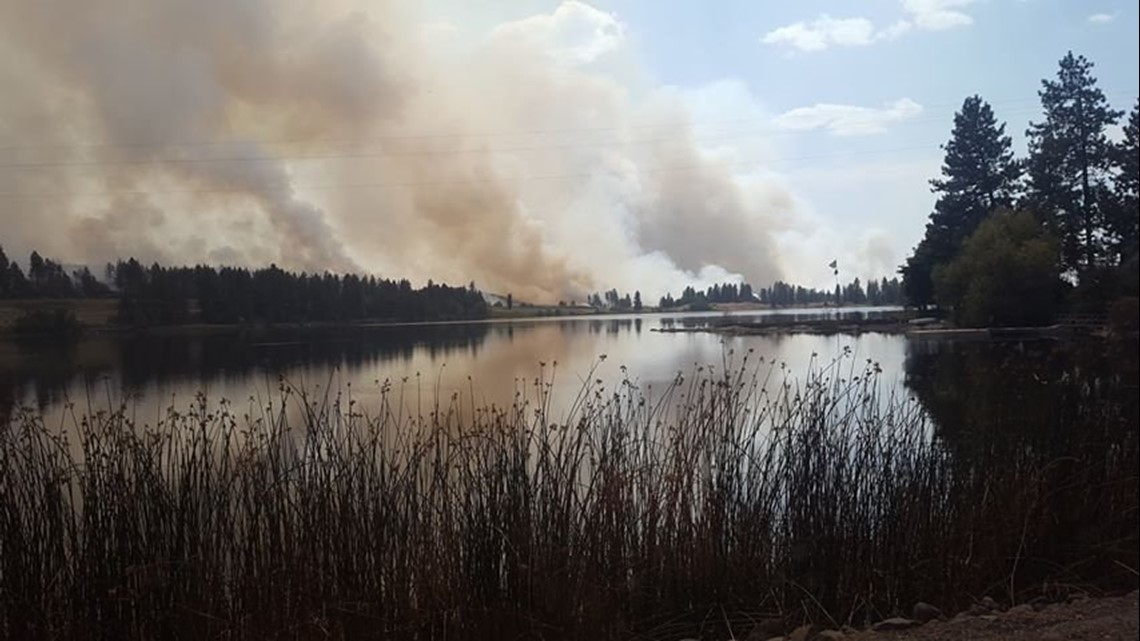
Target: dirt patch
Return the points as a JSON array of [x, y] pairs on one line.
[[1103, 619]]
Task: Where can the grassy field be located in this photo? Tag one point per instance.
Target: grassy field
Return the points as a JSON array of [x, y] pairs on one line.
[[95, 313], [733, 496]]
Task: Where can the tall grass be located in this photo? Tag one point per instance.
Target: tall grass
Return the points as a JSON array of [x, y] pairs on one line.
[[735, 494]]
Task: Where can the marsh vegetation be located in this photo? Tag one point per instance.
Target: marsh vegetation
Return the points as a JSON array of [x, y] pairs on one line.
[[736, 493]]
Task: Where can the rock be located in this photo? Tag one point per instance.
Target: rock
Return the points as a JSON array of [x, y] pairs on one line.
[[990, 604], [962, 617], [830, 635], [924, 612], [804, 633], [895, 623], [977, 610], [1021, 610]]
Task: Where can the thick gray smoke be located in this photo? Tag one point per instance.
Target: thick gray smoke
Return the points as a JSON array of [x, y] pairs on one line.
[[363, 136]]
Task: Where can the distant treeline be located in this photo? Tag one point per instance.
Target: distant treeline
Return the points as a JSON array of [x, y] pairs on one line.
[[719, 293], [613, 300], [159, 295], [781, 294], [47, 279], [880, 292]]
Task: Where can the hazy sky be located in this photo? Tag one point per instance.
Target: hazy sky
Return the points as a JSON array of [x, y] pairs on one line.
[[861, 93], [541, 147]]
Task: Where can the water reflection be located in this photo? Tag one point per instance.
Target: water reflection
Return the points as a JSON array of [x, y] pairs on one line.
[[485, 363], [974, 392], [1002, 395]]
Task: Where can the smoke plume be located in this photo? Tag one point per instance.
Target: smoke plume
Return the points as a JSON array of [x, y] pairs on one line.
[[532, 157]]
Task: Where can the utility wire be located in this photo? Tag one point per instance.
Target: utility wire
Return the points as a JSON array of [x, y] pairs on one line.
[[1033, 104], [689, 167], [409, 153]]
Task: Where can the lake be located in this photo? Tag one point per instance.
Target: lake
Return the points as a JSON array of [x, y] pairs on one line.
[[498, 362], [488, 362]]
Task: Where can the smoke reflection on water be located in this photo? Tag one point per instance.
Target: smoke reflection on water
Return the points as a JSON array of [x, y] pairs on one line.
[[465, 365]]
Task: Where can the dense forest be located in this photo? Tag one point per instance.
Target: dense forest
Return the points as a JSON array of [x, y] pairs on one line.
[[880, 292], [47, 279], [1014, 240], [158, 295], [719, 293], [781, 294]]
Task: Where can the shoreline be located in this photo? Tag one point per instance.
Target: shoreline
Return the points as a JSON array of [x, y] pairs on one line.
[[106, 328]]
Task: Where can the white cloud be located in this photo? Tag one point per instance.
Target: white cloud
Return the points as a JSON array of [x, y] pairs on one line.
[[896, 30], [848, 120], [826, 31], [575, 33], [937, 15], [1101, 18], [823, 32]]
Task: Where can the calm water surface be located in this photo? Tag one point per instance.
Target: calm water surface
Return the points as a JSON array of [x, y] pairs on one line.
[[489, 362], [1020, 392]]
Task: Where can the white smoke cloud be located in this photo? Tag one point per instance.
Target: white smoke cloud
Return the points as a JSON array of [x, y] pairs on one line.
[[532, 157]]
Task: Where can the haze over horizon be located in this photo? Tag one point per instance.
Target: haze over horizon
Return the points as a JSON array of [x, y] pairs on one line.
[[548, 149]]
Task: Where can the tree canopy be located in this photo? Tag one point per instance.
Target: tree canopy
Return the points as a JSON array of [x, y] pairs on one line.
[[1126, 214], [1007, 274], [979, 174], [1071, 164], [1081, 186]]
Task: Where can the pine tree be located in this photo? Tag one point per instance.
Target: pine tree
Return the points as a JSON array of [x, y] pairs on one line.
[[1126, 212], [979, 175], [18, 285], [36, 271], [1070, 161], [5, 288]]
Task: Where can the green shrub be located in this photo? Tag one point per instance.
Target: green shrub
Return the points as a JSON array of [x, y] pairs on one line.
[[1007, 274], [48, 322]]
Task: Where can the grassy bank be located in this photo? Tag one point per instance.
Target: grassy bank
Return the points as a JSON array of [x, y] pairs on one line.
[[91, 312], [732, 496]]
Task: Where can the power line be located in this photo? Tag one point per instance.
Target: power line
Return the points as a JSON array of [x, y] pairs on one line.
[[689, 167], [498, 134], [720, 136]]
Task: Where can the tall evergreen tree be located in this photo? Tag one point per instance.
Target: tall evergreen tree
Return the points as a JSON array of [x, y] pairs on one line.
[[1126, 214], [1070, 160], [18, 285], [5, 289], [36, 270], [979, 175]]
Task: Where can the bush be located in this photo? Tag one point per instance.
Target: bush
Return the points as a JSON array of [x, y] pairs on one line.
[[1007, 274], [48, 322]]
